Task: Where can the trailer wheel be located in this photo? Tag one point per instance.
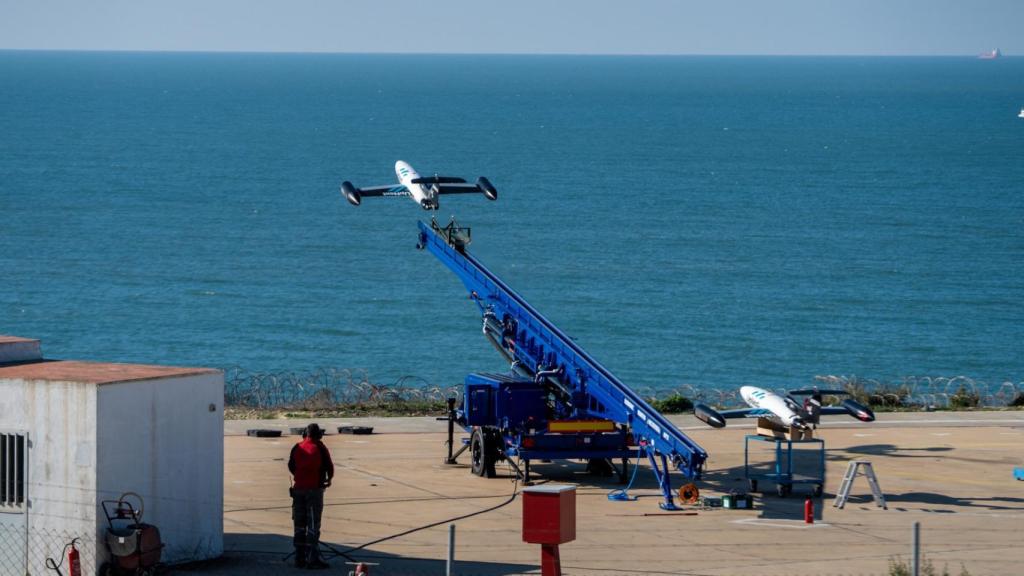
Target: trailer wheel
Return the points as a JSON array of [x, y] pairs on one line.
[[818, 490], [492, 451], [476, 452], [753, 485], [482, 448]]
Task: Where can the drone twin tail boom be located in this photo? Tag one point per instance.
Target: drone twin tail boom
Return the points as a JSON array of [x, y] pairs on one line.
[[424, 190], [784, 409]]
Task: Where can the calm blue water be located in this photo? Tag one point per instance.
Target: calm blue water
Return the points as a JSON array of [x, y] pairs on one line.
[[689, 220]]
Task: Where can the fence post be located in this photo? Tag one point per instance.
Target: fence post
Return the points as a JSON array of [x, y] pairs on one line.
[[451, 550], [916, 556]]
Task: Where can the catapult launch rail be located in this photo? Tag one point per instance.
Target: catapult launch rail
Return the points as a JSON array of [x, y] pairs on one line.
[[579, 389]]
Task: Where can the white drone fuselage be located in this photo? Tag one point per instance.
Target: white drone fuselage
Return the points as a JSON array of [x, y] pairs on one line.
[[765, 400], [421, 194]]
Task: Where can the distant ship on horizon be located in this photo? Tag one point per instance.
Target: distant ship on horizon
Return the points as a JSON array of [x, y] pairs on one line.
[[990, 55]]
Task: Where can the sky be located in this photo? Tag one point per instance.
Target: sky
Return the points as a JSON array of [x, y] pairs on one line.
[[727, 27]]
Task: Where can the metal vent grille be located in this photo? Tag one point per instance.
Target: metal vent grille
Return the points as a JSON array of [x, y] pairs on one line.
[[12, 471]]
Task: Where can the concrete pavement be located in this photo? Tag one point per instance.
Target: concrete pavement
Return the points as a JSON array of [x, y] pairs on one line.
[[950, 471]]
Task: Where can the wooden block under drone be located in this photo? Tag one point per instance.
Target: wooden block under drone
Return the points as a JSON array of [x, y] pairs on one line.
[[770, 429]]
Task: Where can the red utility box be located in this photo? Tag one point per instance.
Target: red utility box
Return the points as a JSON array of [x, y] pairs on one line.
[[549, 519], [549, 514]]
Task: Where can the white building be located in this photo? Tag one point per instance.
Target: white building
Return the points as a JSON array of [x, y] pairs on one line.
[[75, 433]]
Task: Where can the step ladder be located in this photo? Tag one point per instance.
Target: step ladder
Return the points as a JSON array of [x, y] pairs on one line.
[[859, 468]]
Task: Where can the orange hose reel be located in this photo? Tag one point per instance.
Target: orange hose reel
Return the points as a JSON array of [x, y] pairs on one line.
[[689, 494]]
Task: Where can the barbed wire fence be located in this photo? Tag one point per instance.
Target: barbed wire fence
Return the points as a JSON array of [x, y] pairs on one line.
[[928, 392], [324, 389], [329, 388]]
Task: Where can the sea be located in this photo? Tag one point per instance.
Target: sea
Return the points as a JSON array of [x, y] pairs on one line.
[[694, 223]]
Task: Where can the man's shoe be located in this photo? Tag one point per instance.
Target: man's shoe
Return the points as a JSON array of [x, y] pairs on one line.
[[317, 565]]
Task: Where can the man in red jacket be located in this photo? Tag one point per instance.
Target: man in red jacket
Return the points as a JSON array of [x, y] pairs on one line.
[[312, 470]]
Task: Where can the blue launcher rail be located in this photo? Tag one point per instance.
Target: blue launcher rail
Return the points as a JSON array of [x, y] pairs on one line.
[[536, 348]]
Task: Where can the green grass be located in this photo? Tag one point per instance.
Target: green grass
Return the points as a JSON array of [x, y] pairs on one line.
[[900, 567], [675, 404]]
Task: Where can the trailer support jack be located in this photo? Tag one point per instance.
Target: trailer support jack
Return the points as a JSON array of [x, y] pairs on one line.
[[452, 456], [663, 479]]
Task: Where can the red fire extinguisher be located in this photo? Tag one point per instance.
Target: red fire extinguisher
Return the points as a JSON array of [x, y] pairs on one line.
[[74, 561], [809, 511]]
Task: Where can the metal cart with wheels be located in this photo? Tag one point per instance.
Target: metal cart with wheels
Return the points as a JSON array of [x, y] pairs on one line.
[[134, 547], [793, 462]]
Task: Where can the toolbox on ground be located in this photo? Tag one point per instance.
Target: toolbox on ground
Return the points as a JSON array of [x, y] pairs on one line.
[[738, 501]]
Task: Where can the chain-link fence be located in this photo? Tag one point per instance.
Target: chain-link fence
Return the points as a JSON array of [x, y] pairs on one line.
[[25, 551]]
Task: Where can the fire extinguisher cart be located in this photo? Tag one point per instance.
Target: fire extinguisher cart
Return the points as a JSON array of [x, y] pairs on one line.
[[134, 547], [793, 462]]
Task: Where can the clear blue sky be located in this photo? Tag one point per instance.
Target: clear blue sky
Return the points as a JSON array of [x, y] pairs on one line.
[[903, 27]]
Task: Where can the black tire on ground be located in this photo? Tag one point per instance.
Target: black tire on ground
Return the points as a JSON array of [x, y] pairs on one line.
[[355, 429], [783, 489], [263, 433], [818, 490], [753, 485]]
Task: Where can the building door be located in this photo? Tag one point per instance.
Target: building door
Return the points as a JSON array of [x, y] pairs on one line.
[[14, 503]]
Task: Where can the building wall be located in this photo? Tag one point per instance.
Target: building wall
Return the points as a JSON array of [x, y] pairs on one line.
[[160, 439], [60, 419]]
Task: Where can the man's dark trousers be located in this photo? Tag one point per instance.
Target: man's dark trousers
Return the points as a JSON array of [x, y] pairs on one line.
[[307, 508]]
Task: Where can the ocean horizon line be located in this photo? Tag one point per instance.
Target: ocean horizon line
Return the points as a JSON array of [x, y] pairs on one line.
[[974, 56]]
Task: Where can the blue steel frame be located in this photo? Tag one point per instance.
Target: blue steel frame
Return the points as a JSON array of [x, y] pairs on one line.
[[539, 347], [783, 474]]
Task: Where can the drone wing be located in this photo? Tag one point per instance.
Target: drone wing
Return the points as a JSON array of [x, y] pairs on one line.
[[355, 195], [717, 418], [458, 188], [438, 180], [392, 190], [455, 185], [852, 408]]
